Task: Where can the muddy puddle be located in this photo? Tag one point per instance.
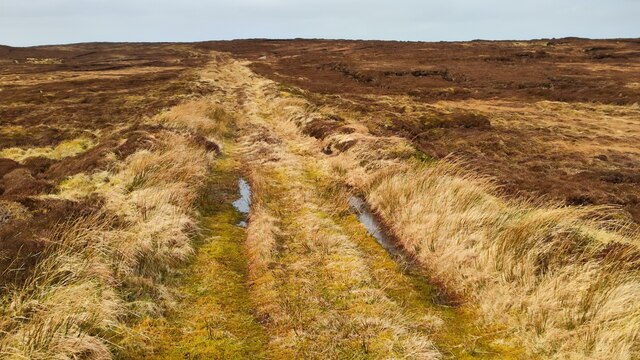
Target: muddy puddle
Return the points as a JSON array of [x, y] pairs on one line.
[[243, 204], [374, 228]]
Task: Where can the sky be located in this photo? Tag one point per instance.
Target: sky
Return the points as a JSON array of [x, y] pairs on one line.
[[37, 22]]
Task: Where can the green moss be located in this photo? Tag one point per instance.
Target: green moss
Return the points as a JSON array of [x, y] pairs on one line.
[[423, 157], [215, 318], [62, 150], [82, 185]]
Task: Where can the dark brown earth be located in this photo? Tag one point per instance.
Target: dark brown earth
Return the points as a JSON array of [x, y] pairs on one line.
[[561, 70], [557, 119]]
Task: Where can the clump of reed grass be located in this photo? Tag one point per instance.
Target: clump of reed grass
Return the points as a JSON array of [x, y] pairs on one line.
[[99, 271], [557, 275]]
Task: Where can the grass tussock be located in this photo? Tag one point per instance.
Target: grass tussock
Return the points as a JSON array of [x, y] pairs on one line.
[[12, 210], [200, 116], [261, 241], [66, 308], [568, 287], [64, 149], [101, 270]]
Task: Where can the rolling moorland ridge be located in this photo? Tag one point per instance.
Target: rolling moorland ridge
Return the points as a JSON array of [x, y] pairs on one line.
[[321, 199]]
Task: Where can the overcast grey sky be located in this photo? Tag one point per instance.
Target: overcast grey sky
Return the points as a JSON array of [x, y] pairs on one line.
[[32, 22]]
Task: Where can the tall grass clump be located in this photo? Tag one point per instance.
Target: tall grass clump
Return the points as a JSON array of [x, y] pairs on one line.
[[154, 195], [567, 284], [100, 272], [68, 307], [200, 116]]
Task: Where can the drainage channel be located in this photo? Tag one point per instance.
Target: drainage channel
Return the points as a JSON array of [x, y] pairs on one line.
[[373, 226], [243, 204]]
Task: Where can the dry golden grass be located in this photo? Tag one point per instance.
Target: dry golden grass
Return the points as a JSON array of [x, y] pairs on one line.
[[43, 61], [261, 235], [13, 210], [67, 307], [200, 116], [563, 280], [101, 270], [568, 286]]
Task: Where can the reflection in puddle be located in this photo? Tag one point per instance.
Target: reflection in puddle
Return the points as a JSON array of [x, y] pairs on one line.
[[372, 225], [243, 204]]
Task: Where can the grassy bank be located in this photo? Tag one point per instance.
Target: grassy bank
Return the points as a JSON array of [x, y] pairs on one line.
[[561, 279], [567, 285]]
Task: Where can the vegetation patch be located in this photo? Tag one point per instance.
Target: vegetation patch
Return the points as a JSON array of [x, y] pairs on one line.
[[13, 131], [62, 150]]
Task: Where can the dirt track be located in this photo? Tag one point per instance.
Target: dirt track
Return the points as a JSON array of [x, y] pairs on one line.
[[305, 280]]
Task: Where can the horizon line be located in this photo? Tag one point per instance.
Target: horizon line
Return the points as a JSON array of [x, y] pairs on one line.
[[322, 39]]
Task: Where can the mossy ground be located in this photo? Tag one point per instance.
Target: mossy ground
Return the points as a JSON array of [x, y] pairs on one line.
[[64, 149], [214, 318]]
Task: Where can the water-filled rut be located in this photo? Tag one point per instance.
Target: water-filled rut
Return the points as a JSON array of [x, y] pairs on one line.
[[373, 226], [243, 204]]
